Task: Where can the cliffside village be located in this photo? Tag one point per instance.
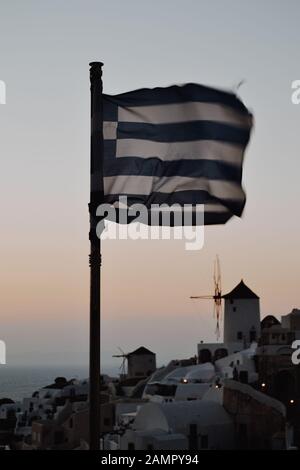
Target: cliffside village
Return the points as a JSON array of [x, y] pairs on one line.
[[243, 393]]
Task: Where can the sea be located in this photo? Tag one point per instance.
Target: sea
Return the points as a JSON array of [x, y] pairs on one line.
[[18, 382]]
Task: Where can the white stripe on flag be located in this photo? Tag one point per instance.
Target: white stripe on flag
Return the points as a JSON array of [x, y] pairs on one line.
[[146, 185], [183, 112], [169, 151], [110, 130]]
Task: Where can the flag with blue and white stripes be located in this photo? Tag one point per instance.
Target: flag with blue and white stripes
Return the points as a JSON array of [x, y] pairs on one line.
[[176, 145]]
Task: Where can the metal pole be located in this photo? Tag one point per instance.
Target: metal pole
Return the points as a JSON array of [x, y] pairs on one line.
[[96, 197]]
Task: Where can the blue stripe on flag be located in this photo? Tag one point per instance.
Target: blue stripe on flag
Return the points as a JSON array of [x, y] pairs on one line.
[[176, 94], [179, 197], [211, 169], [183, 131]]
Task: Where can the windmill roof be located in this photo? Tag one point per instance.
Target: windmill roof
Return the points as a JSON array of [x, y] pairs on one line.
[[141, 351], [241, 291]]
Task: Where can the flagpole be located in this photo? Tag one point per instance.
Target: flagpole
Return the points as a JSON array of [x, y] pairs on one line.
[[96, 197]]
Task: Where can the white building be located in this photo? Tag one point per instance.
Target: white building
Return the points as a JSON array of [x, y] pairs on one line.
[[181, 383], [200, 373], [241, 316], [242, 361], [7, 408], [199, 424]]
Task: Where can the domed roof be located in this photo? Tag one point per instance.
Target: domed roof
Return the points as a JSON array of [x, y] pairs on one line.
[[176, 416], [241, 291], [269, 321]]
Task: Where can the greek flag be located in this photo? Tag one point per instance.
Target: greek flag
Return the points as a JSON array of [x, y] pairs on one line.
[[176, 146]]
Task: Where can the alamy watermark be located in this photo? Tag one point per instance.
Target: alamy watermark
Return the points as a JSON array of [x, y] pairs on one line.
[[2, 352], [2, 92], [159, 222], [296, 354], [295, 96]]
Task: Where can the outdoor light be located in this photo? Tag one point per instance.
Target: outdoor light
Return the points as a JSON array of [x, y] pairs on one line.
[[263, 385], [185, 381], [292, 402]]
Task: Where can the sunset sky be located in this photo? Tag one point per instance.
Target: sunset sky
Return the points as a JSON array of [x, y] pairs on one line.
[[45, 48]]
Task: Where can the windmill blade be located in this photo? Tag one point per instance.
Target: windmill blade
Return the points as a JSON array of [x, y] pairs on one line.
[[218, 313], [215, 272], [217, 279], [217, 297], [201, 297], [218, 273], [217, 331], [123, 366], [120, 349]]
